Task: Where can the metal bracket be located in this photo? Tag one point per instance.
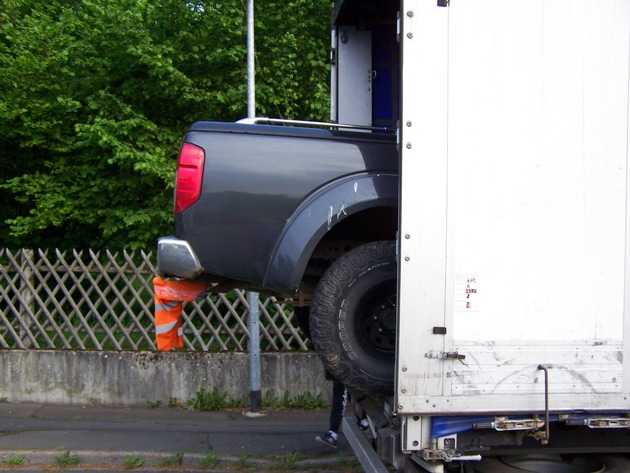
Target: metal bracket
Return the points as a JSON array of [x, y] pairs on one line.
[[412, 433], [443, 3], [428, 467], [448, 456]]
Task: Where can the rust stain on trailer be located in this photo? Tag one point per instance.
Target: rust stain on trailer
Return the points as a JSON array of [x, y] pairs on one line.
[[510, 376], [577, 375]]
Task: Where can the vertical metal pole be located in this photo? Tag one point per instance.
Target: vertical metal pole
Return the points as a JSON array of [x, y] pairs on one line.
[[253, 320], [251, 69], [253, 325]]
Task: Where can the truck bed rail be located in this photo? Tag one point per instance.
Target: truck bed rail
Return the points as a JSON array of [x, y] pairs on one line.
[[343, 126]]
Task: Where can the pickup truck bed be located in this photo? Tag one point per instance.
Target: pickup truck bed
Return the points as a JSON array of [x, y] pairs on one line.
[[258, 180]]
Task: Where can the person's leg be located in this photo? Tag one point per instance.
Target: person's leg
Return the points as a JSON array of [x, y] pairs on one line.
[[338, 406], [339, 400], [301, 315]]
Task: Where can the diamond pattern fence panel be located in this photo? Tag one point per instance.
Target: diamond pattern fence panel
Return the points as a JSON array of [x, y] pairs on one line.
[[91, 300]]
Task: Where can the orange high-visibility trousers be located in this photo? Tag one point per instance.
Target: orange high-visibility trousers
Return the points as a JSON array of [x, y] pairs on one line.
[[169, 296]]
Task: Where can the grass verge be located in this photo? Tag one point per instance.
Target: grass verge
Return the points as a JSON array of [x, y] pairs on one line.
[[173, 460], [307, 401], [288, 461], [131, 462], [215, 400], [14, 460], [209, 461], [66, 459]]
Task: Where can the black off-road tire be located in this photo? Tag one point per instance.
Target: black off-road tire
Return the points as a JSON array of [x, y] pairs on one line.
[[353, 318]]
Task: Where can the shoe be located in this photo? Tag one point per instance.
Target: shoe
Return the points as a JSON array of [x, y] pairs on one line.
[[329, 439]]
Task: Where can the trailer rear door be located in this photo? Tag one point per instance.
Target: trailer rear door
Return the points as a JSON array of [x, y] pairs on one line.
[[514, 206]]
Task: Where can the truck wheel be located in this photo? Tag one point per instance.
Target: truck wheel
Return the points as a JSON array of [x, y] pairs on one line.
[[353, 318]]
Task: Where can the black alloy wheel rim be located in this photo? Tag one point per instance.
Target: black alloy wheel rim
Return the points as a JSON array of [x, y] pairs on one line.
[[377, 324]]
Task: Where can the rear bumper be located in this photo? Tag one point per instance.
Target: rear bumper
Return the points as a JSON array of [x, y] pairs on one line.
[[176, 257]]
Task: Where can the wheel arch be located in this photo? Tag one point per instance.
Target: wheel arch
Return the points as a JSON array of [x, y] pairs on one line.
[[319, 215]]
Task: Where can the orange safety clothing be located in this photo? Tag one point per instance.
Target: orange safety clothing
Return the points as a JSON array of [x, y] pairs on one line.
[[169, 296]]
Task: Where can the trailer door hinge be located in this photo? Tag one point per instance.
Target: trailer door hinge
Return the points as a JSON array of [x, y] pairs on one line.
[[502, 424]]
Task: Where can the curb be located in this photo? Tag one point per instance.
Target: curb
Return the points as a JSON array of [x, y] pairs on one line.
[[101, 459]]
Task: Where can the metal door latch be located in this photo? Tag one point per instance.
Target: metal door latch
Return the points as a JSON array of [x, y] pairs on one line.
[[445, 355], [453, 355]]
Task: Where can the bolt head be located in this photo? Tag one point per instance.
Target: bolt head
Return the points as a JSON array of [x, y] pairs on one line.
[[409, 35], [407, 258], [404, 368], [408, 145], [409, 123], [407, 236], [410, 14]]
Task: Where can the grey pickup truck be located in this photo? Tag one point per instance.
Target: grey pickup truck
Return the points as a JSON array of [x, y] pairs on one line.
[[308, 213]]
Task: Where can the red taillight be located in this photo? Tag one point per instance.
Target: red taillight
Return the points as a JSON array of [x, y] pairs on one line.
[[189, 176]]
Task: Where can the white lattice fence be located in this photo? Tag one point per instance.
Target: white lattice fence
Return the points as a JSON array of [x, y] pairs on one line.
[[86, 300]]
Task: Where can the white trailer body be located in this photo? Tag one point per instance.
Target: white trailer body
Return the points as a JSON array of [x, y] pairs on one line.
[[514, 208]]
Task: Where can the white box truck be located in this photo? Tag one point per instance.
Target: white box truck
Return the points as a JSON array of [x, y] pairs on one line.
[[513, 327], [467, 276]]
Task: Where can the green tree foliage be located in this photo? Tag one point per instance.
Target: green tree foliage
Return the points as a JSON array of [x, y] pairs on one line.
[[96, 94]]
